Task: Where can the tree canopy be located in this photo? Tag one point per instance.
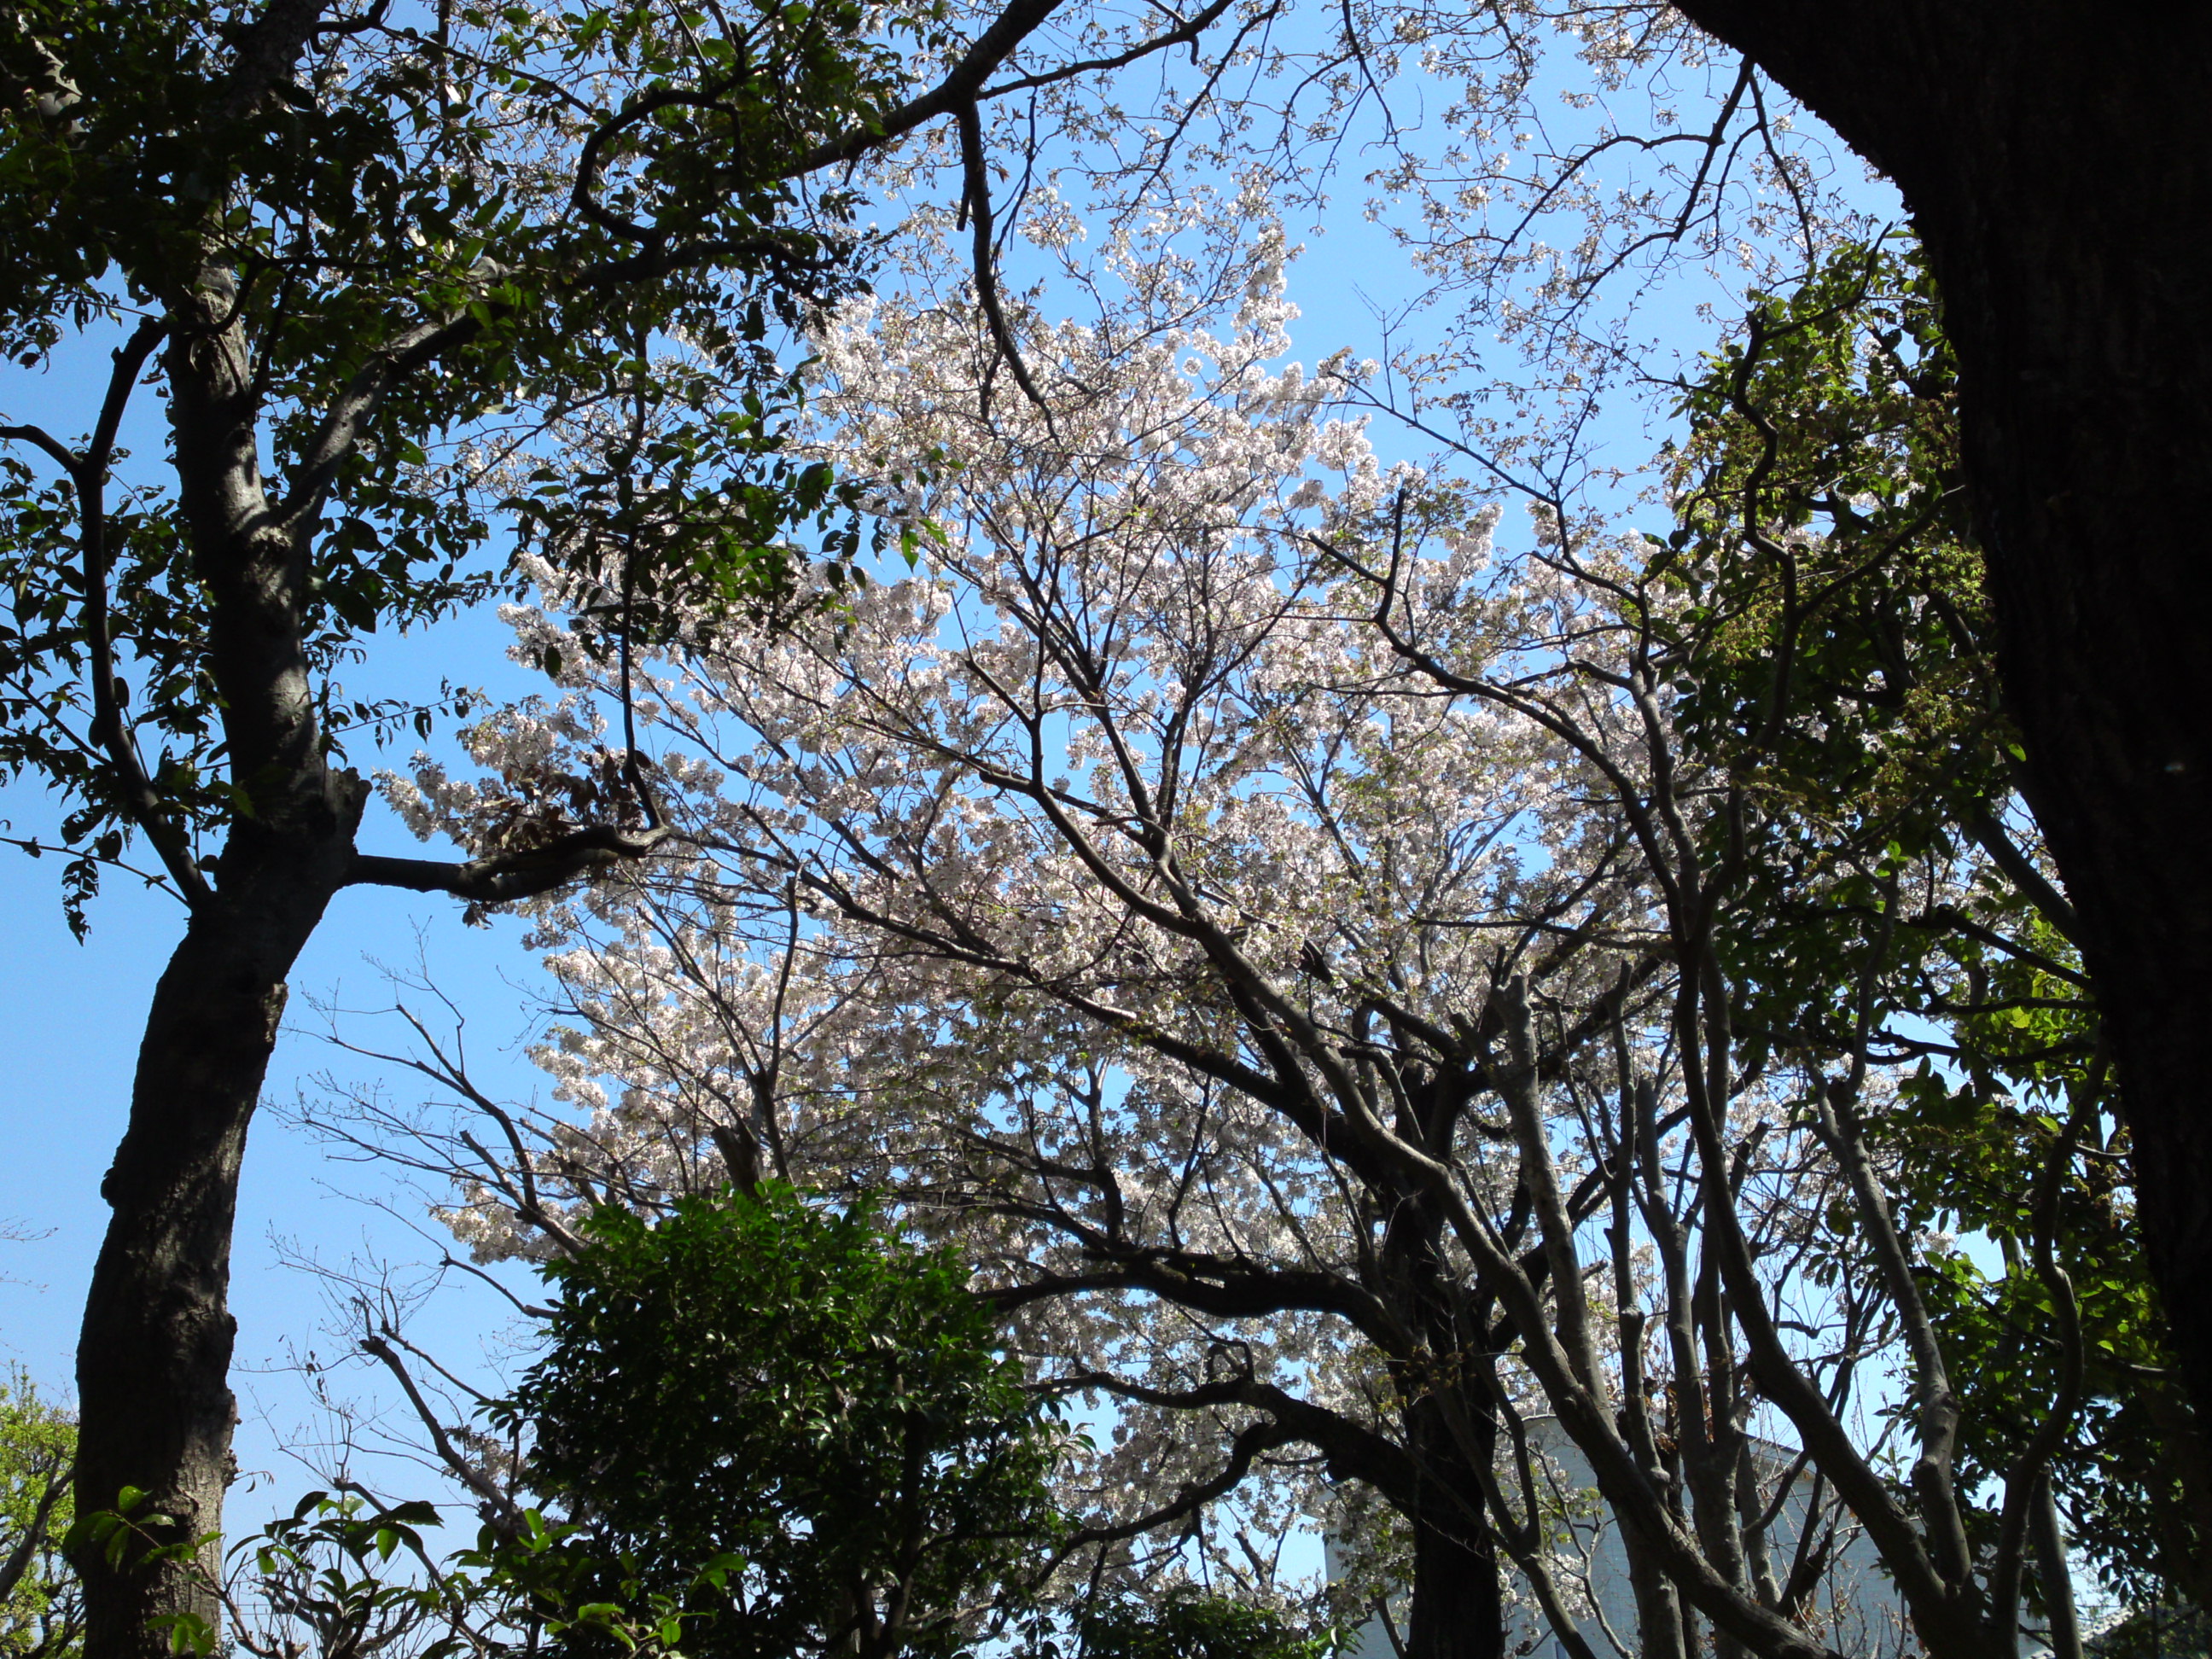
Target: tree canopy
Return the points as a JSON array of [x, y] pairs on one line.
[[1285, 927], [1222, 796], [41, 1611], [376, 267]]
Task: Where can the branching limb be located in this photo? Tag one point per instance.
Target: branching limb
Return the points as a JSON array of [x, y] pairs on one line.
[[2006, 853], [134, 793], [38, 848], [268, 48], [113, 732], [983, 259], [1262, 1436], [376, 1345], [38, 438], [1352, 1451], [44, 80], [960, 88], [34, 1532], [347, 418], [504, 878], [2029, 1474], [1185, 32]]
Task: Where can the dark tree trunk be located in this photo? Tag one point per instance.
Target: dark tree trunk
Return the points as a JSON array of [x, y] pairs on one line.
[[1457, 1608], [1662, 1618], [2056, 156], [153, 1365], [156, 1411], [1456, 1605]]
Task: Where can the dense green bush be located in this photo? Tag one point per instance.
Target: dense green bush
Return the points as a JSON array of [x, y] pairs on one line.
[[796, 1424]]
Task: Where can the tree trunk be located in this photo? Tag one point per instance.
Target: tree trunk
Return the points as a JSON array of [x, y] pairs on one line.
[[1458, 1608], [155, 1408], [1662, 1626], [2056, 156], [2054, 1574]]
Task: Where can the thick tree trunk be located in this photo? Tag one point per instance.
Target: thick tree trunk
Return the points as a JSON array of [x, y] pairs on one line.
[[1458, 1609], [153, 1365], [1661, 1627], [2056, 155]]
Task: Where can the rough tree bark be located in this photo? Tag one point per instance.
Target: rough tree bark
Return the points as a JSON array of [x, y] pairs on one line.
[[1455, 1604], [155, 1406], [1457, 1609], [154, 1356], [152, 1363], [2056, 157]]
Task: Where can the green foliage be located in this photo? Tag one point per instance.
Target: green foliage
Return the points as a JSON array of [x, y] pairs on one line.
[[760, 1427], [320, 1571], [2157, 1631], [137, 1536], [2119, 1473], [1832, 630], [1189, 1623], [788, 1418], [41, 1613], [341, 1576], [439, 253], [1826, 602]]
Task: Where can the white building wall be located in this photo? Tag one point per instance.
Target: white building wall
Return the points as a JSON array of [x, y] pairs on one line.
[[1859, 1612]]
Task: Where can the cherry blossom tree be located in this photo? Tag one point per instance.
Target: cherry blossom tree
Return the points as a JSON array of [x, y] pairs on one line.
[[1291, 942]]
